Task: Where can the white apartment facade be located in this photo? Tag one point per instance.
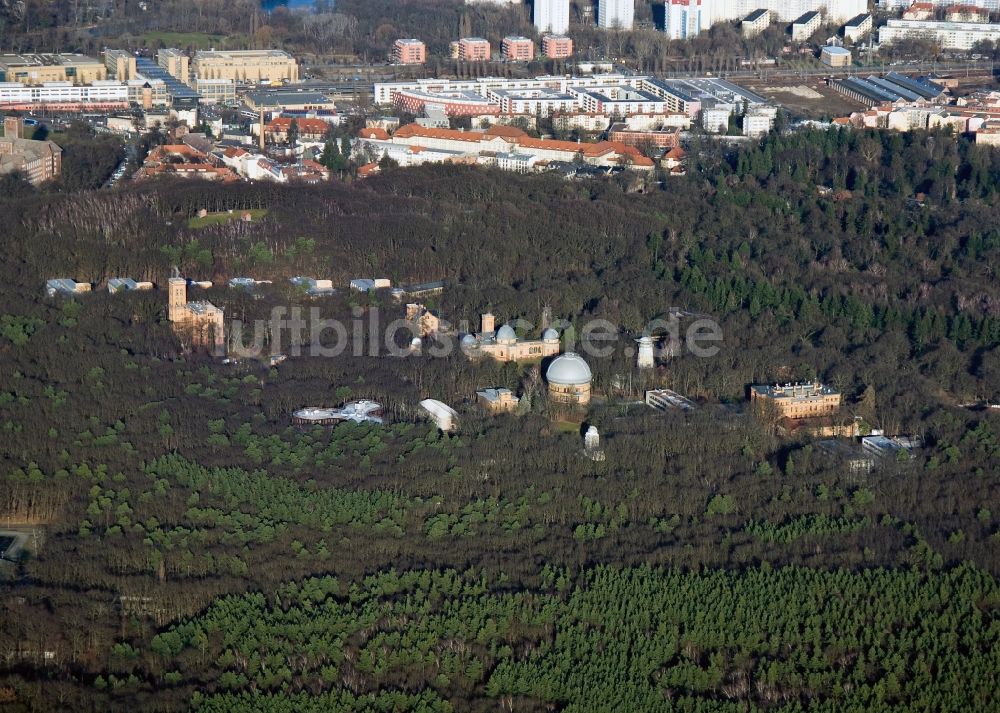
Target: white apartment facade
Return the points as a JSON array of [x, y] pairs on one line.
[[616, 14], [949, 35], [552, 16]]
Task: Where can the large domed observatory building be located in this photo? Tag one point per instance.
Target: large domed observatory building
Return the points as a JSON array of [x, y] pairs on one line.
[[504, 345], [569, 379]]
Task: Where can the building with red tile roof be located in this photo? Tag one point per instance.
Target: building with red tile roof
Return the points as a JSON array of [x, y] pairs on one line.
[[505, 140]]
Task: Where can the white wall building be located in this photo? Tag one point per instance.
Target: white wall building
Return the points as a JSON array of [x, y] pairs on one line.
[[949, 35], [104, 91], [616, 14], [686, 18], [552, 16]]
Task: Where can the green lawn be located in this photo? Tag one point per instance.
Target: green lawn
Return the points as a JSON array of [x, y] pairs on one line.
[[224, 217]]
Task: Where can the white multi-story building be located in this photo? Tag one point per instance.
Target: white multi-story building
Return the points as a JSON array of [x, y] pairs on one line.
[[616, 14], [991, 5], [949, 35], [686, 18], [552, 16], [101, 92]]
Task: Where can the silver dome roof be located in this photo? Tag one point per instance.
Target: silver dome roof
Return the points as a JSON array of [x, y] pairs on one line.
[[568, 370]]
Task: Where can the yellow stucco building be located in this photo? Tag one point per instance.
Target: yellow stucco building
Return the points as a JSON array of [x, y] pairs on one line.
[[503, 344], [799, 400], [198, 324], [251, 66], [34, 69]]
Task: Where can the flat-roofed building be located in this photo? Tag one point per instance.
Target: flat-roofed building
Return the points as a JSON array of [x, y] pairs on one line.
[[551, 16], [279, 101], [949, 35], [557, 46], [176, 63], [755, 23], [857, 27], [797, 401], [34, 69], [473, 49], [615, 14], [64, 96], [835, 57], [684, 19], [216, 91], [409, 51], [249, 66], [120, 63], [805, 25], [517, 49]]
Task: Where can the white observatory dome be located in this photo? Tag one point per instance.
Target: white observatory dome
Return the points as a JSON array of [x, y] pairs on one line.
[[550, 335], [506, 333], [568, 370]]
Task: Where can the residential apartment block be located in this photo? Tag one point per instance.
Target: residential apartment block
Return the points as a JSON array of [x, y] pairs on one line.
[[857, 27], [551, 16], [949, 35], [557, 46], [473, 49], [615, 14], [517, 49], [805, 25], [409, 51], [755, 23]]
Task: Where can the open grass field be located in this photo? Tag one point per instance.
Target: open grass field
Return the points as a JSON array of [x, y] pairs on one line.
[[223, 217]]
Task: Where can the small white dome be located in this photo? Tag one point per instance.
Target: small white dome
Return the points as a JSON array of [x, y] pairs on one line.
[[646, 340], [550, 335], [469, 340], [568, 370], [415, 342], [506, 333]]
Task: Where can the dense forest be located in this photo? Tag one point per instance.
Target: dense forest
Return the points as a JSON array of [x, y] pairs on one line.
[[191, 549]]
